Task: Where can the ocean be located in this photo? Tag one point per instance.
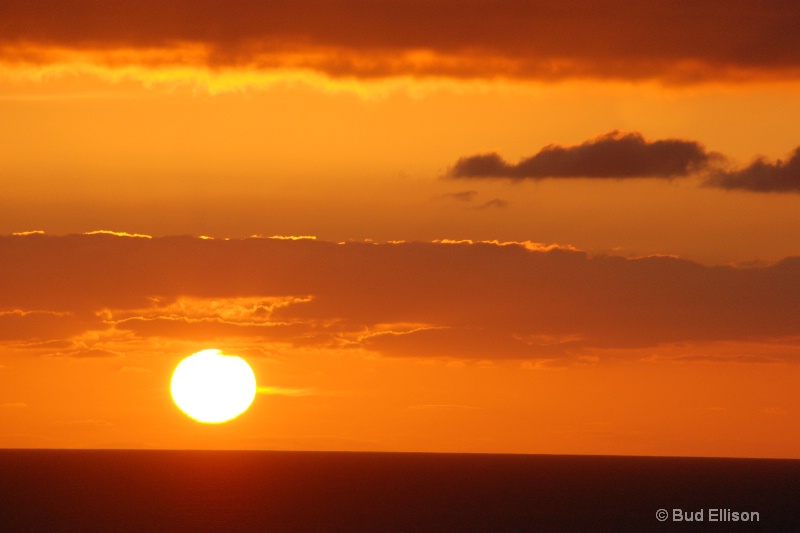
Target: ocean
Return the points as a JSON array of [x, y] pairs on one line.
[[277, 491]]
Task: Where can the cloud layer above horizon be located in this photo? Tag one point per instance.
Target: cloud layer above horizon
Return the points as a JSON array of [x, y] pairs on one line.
[[518, 39], [468, 300]]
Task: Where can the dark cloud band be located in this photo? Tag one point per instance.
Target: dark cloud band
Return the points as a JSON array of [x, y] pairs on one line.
[[529, 39], [469, 300]]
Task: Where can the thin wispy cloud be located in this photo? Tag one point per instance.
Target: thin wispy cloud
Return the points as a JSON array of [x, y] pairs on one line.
[[460, 196], [495, 203]]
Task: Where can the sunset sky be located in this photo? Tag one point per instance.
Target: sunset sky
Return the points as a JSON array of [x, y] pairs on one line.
[[428, 225]]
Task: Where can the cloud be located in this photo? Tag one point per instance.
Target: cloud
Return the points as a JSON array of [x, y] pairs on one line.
[[98, 294], [617, 155], [522, 39], [84, 352], [613, 155], [284, 391], [464, 343], [210, 329], [118, 234], [38, 326], [497, 203], [762, 176], [461, 196], [469, 196]]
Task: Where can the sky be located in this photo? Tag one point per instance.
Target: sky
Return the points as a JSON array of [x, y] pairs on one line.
[[442, 225]]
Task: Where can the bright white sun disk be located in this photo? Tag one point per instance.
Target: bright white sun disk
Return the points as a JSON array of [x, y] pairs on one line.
[[213, 388]]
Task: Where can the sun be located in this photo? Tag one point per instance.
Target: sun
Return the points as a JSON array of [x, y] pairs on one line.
[[213, 388]]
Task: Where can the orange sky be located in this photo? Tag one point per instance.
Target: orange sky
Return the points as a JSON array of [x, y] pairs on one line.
[[541, 227]]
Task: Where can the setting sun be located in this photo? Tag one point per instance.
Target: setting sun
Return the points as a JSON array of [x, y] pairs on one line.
[[213, 388]]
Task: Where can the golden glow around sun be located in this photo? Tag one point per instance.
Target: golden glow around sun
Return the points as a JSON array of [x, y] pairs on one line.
[[212, 388]]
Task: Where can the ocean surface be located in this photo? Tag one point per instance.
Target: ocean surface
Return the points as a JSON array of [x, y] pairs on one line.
[[127, 490]]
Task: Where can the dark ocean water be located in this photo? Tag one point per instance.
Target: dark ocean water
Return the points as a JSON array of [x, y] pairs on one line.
[[109, 490]]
